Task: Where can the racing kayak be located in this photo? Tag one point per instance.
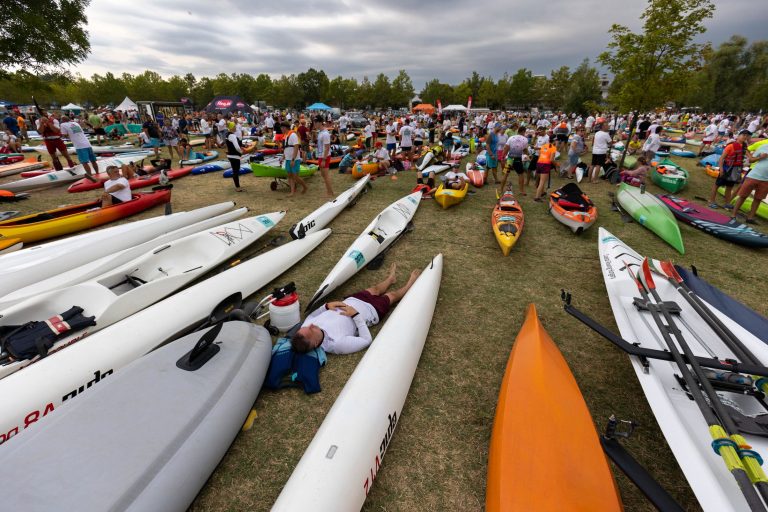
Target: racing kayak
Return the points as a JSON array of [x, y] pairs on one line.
[[669, 176], [152, 427], [714, 223], [70, 373], [199, 158], [218, 165], [387, 227], [70, 219], [321, 217], [30, 164], [35, 264], [507, 221], [746, 207], [447, 197], [92, 269], [476, 175], [651, 213], [520, 475], [572, 207], [338, 469], [679, 417], [69, 175], [8, 245], [147, 180], [127, 289], [262, 170]]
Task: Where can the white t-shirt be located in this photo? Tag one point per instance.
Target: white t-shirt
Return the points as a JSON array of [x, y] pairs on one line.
[[343, 121], [418, 134], [343, 334], [753, 126], [269, 122], [293, 139], [381, 154], [368, 131], [205, 128], [540, 141], [590, 121], [602, 143], [452, 176], [73, 132], [391, 131], [710, 131], [323, 141], [124, 194], [723, 126], [653, 143], [405, 136]]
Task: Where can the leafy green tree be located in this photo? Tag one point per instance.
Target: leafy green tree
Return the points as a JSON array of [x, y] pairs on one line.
[[262, 88], [364, 94], [342, 92], [557, 87], [41, 34], [486, 95], [287, 92], [522, 88], [583, 89], [402, 90], [381, 92], [435, 90], [314, 84], [650, 67]]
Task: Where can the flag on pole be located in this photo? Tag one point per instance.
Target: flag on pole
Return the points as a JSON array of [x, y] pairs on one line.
[[439, 107], [469, 103]]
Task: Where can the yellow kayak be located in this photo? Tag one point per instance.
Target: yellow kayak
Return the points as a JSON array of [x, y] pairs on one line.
[[10, 245], [447, 197]]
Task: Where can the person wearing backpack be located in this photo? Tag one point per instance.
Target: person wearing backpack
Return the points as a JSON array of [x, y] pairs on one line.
[[731, 162]]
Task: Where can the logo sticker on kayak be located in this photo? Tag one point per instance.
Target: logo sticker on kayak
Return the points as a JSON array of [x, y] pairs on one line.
[[358, 257], [412, 200], [609, 239], [265, 221], [232, 235]]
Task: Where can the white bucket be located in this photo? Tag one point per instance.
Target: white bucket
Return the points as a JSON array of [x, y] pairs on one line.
[[285, 313]]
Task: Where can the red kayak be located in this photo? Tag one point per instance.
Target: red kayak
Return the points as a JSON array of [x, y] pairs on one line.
[[476, 177], [148, 180], [714, 223]]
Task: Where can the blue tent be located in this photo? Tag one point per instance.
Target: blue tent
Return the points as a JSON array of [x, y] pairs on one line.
[[318, 106]]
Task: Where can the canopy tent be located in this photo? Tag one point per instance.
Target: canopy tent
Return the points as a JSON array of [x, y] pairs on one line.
[[318, 106], [227, 105], [457, 108], [424, 107], [127, 105], [73, 107]]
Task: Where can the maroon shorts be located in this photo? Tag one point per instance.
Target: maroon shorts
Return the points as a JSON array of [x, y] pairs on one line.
[[324, 163], [543, 168], [379, 302]]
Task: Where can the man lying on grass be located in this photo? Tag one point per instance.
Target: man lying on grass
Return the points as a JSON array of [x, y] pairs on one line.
[[341, 327]]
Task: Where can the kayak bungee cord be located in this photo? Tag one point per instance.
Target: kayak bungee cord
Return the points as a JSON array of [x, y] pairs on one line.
[[667, 269], [730, 445]]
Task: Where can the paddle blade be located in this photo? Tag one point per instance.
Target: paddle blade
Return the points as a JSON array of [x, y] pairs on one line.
[[671, 271], [646, 276], [634, 276]]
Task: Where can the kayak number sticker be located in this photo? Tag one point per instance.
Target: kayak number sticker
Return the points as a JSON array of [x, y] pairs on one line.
[[358, 258], [265, 221]]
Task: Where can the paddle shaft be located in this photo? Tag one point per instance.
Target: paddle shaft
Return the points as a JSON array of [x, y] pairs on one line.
[[718, 418]]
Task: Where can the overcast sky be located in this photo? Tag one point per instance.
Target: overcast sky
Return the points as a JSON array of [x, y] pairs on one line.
[[447, 39]]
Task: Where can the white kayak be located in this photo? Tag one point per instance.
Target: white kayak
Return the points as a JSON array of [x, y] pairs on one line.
[[72, 372], [338, 469], [102, 265], [71, 174], [28, 266], [678, 416], [321, 217], [148, 437], [436, 168], [383, 230], [127, 289]]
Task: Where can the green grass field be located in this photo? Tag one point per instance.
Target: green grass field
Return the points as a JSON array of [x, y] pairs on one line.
[[437, 459]]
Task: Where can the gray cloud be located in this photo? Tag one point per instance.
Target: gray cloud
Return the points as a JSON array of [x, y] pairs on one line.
[[447, 39]]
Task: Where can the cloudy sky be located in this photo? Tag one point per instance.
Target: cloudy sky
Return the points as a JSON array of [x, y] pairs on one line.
[[447, 39]]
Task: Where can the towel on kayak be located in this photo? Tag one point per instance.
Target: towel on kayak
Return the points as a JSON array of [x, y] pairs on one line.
[[35, 338]]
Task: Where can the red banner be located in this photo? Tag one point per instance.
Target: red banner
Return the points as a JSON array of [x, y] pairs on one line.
[[469, 103], [439, 107]]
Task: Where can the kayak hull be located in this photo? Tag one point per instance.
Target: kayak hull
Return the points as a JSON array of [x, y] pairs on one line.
[[577, 215], [323, 216], [507, 221], [447, 197], [651, 213], [520, 474], [268, 171], [746, 207], [77, 218], [667, 175], [338, 469], [149, 180]]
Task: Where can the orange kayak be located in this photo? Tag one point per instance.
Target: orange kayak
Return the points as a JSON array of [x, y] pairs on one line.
[[360, 170], [545, 454]]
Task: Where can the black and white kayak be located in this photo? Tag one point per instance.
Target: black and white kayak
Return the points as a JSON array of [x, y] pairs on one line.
[[148, 437], [323, 216], [72, 373], [31, 265], [338, 469], [387, 227], [123, 291], [688, 433]]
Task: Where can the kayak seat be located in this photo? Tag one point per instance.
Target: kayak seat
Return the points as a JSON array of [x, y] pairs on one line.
[[133, 281], [570, 205], [379, 238]]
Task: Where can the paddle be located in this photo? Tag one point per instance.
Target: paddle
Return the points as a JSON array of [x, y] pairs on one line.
[[727, 442]]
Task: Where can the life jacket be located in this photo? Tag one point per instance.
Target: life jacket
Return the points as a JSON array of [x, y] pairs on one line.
[[735, 158], [286, 136], [289, 369], [36, 337], [562, 128], [547, 153]]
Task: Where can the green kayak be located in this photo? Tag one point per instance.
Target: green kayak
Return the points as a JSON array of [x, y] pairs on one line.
[[649, 211], [762, 210], [669, 176], [270, 171]]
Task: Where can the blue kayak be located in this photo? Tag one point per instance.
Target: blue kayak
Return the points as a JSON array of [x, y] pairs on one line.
[[733, 309], [243, 170], [216, 166]]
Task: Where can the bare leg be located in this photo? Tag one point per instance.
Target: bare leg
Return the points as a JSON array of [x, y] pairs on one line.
[[382, 287], [327, 179], [292, 184], [398, 294]]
